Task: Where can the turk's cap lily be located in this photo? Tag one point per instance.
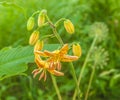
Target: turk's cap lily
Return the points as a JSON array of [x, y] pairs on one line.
[[44, 66], [58, 55]]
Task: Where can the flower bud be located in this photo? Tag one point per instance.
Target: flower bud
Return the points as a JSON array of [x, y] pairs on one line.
[[38, 46], [41, 18], [30, 23], [77, 50], [69, 26], [34, 37]]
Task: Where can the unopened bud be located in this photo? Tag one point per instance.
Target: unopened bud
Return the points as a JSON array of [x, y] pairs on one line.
[[69, 26], [41, 18], [38, 46], [34, 37], [30, 23], [77, 50]]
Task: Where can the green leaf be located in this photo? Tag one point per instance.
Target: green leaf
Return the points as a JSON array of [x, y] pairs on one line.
[[13, 61]]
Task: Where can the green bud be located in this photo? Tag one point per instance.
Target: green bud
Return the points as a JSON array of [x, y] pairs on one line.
[[30, 23], [41, 18]]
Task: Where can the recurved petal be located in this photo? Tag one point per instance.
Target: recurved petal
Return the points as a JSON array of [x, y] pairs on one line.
[[40, 63], [40, 53], [57, 73], [37, 56], [64, 49], [51, 59], [48, 53], [67, 58]]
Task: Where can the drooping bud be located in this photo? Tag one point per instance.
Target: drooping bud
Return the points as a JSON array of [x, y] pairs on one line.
[[34, 37], [41, 18], [69, 26], [30, 23], [77, 50], [38, 46]]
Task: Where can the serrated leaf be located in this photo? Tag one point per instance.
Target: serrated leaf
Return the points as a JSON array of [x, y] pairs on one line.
[[13, 61]]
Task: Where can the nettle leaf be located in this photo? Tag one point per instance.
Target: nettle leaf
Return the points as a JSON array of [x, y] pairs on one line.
[[13, 61]]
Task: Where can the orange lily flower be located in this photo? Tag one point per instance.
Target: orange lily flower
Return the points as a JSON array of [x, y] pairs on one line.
[[44, 66], [58, 55]]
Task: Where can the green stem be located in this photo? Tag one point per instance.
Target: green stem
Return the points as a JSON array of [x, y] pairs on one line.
[[75, 79], [53, 79], [61, 42], [71, 64], [84, 65], [56, 87], [47, 36], [90, 81], [60, 20], [45, 24], [58, 36], [35, 13]]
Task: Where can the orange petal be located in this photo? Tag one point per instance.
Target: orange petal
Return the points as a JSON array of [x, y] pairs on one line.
[[40, 63], [40, 53], [57, 73], [48, 53], [64, 49], [67, 58]]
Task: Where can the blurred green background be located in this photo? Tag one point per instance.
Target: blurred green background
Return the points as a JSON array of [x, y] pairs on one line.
[[83, 13]]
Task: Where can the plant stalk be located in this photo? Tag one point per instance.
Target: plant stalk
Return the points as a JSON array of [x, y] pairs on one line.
[[61, 42], [56, 87], [84, 65], [90, 82]]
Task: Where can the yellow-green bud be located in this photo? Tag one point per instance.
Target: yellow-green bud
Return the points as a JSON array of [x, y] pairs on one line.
[[41, 18], [69, 26], [34, 37], [30, 23], [39, 45], [77, 51]]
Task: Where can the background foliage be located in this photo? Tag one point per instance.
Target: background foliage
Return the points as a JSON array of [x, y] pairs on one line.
[[83, 13]]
